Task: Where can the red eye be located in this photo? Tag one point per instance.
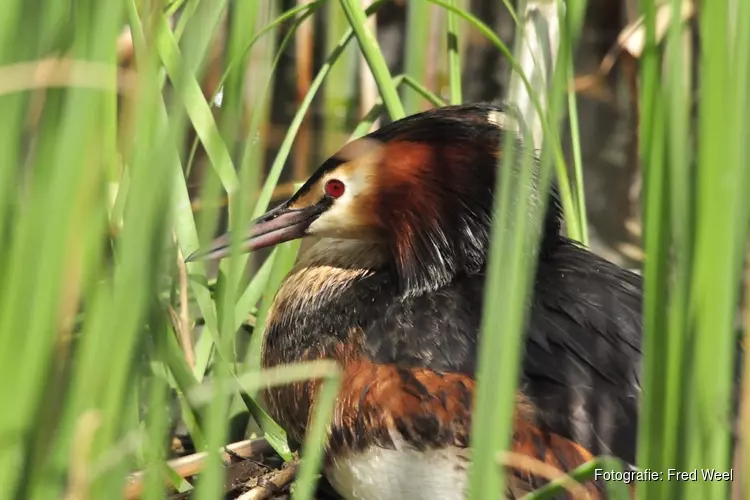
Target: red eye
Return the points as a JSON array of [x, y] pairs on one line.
[[335, 188]]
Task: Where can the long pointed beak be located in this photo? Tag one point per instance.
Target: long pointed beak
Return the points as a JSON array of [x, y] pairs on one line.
[[276, 226]]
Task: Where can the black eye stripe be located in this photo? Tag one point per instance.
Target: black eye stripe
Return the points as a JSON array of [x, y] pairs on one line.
[[327, 166]]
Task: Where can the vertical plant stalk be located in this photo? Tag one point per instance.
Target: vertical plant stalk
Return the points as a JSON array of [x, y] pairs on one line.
[[241, 26], [368, 88], [551, 133], [231, 270], [435, 56], [537, 45], [575, 135], [572, 24], [454, 58], [370, 49], [676, 93], [416, 51], [265, 197], [317, 435], [340, 92], [656, 241], [303, 60], [183, 321], [521, 200], [260, 58], [715, 266]]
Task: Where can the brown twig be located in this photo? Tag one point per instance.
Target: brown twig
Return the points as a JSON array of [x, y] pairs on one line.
[[194, 464], [270, 483], [124, 48], [539, 468], [183, 331], [80, 455]]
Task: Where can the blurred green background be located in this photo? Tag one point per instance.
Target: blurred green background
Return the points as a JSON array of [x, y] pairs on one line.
[[133, 131]]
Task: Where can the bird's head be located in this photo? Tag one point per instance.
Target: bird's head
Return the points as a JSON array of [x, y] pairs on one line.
[[420, 190]]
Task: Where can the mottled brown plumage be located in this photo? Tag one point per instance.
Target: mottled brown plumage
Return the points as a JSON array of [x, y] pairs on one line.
[[392, 288], [428, 408]]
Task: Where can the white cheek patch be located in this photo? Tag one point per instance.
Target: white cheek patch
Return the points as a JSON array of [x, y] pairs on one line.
[[332, 223], [339, 221]]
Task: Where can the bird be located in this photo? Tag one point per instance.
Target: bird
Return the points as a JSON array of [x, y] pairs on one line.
[[390, 284]]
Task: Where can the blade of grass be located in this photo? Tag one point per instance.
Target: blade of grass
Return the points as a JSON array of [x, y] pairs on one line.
[[197, 36], [145, 220], [254, 290], [211, 481], [366, 122], [185, 381], [251, 382], [415, 51], [186, 231], [680, 174], [368, 44], [656, 243], [210, 484], [340, 92], [566, 193], [286, 254], [183, 222], [420, 89], [741, 63], [573, 20], [232, 268], [656, 238], [252, 153], [198, 109], [218, 409], [272, 432], [239, 55], [156, 428], [63, 179], [278, 164], [520, 203], [714, 280], [316, 437], [509, 268], [454, 58], [241, 16], [186, 14]]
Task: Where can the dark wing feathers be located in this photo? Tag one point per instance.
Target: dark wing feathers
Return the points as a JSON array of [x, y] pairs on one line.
[[436, 330], [583, 356], [582, 359]]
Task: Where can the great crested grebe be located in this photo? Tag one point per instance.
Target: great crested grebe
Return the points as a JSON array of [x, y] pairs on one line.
[[392, 289]]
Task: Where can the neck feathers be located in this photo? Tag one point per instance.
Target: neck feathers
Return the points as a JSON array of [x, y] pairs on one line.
[[326, 268], [436, 205], [432, 200]]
